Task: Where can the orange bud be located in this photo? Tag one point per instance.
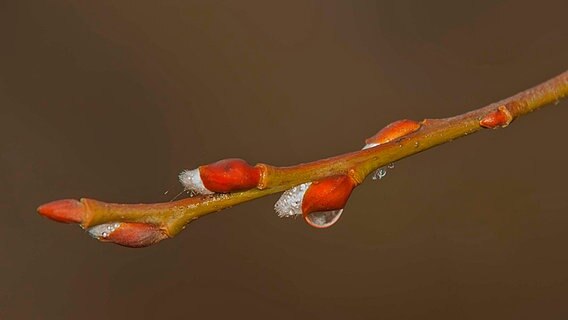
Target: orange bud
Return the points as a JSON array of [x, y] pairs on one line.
[[324, 200], [229, 175], [66, 211], [327, 194], [498, 118], [128, 234], [392, 132]]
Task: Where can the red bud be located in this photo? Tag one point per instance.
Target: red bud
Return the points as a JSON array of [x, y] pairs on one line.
[[320, 203], [393, 131], [323, 201], [128, 234], [229, 175], [66, 211]]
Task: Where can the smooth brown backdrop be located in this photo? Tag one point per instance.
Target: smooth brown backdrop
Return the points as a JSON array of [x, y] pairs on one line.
[[111, 99]]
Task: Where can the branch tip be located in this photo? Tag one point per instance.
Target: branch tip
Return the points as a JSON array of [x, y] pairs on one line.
[[65, 211]]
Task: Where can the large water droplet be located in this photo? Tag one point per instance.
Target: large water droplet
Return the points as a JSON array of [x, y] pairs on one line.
[[323, 219]]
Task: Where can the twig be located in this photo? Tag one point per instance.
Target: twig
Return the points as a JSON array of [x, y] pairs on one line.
[[144, 224]]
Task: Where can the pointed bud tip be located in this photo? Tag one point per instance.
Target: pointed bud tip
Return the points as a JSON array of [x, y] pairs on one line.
[[66, 211]]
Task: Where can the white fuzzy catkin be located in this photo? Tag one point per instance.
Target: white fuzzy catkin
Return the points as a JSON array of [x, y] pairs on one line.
[[191, 181], [290, 203]]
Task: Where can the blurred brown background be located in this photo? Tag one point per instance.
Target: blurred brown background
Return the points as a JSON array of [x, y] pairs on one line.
[[111, 99]]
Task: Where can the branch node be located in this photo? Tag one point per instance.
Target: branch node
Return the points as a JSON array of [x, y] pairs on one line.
[[265, 170]]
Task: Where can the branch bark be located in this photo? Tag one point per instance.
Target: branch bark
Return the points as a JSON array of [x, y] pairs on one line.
[[172, 217]]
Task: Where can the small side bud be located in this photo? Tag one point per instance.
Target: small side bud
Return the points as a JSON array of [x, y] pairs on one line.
[[392, 132], [229, 175], [498, 118], [66, 211], [128, 234]]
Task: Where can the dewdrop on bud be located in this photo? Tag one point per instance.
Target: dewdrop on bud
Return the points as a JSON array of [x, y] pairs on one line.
[[128, 234], [323, 219], [392, 132], [223, 176], [320, 202]]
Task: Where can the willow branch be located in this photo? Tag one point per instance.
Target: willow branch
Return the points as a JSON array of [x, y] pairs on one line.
[[172, 217]]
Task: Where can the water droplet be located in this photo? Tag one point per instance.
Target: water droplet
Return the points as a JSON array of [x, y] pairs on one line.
[[416, 144], [167, 191], [380, 173], [390, 165], [105, 234], [323, 219]]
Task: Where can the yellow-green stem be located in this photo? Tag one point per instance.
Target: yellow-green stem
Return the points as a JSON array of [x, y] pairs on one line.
[[173, 216]]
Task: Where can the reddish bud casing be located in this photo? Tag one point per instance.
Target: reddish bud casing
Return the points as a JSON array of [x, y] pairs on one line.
[[327, 194], [229, 175], [393, 131], [128, 234], [66, 211]]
